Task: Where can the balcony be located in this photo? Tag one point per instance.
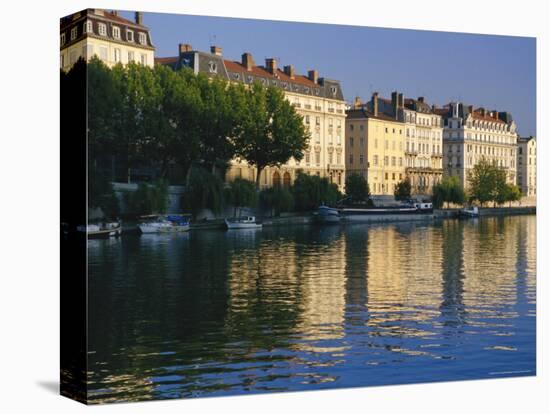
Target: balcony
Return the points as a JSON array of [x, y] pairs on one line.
[[331, 110], [318, 108], [297, 105], [411, 152], [307, 106]]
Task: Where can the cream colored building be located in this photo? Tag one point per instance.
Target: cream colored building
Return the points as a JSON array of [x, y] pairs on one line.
[[527, 166], [375, 146], [319, 100], [106, 35], [423, 144], [470, 135]]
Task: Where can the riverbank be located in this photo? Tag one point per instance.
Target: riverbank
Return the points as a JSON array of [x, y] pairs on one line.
[[130, 227]]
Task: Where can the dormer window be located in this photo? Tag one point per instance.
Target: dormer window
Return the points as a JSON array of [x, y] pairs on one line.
[[129, 35], [142, 38], [102, 29], [73, 33], [333, 90], [87, 27], [212, 67], [116, 32], [62, 40]]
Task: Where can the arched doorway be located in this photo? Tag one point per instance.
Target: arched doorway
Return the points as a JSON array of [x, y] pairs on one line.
[[286, 179], [276, 179]]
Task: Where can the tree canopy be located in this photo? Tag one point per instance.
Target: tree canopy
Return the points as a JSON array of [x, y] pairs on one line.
[[357, 188], [403, 190], [448, 190]]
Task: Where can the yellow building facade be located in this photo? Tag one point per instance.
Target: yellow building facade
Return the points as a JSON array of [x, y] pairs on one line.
[[375, 147], [105, 34]]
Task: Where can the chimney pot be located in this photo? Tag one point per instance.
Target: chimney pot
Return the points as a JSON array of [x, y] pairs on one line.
[[313, 75], [421, 99], [216, 50], [139, 18], [247, 61], [271, 65], [375, 103], [289, 70], [184, 47], [114, 12]]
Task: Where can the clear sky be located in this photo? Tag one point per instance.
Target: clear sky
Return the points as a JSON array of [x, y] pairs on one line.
[[496, 72]]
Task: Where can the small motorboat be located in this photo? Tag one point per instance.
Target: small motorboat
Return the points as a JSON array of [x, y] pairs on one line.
[[99, 230], [245, 222], [469, 212], [327, 215], [174, 223]]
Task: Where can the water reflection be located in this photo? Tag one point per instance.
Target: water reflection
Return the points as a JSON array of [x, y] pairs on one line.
[[218, 313]]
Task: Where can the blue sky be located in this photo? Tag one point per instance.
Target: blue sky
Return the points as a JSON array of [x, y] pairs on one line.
[[496, 72]]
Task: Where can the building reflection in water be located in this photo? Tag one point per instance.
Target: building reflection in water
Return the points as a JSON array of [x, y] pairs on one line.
[[212, 313]]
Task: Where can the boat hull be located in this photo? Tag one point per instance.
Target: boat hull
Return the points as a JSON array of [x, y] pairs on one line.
[[231, 225], [152, 229]]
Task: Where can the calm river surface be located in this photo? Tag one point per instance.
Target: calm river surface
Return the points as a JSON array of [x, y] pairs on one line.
[[221, 313]]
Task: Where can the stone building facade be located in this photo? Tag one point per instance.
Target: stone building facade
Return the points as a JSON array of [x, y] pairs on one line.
[[375, 146], [320, 101], [527, 166], [472, 134], [105, 34]]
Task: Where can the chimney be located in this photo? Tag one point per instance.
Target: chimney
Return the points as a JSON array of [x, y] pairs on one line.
[[357, 103], [139, 18], [289, 70], [483, 112], [395, 104], [271, 65], [247, 61], [375, 103], [401, 100], [433, 108], [114, 12], [495, 114], [216, 50], [184, 47], [420, 99], [470, 108], [313, 75]]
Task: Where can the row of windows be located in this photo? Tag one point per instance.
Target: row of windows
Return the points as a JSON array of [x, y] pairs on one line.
[[102, 31], [424, 148], [395, 161], [307, 120], [307, 104], [433, 121], [478, 149], [422, 133], [318, 158], [495, 126], [471, 161], [103, 53]]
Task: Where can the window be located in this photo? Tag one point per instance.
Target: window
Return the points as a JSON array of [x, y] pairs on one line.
[[318, 121], [338, 139], [130, 56], [72, 57], [129, 35], [307, 157], [142, 38], [351, 158], [361, 127], [330, 158], [330, 122], [386, 130], [317, 158], [117, 55], [351, 141], [393, 161], [62, 40], [351, 127], [393, 176], [400, 161], [73, 33], [103, 53], [361, 159], [375, 159], [212, 67], [330, 139], [317, 137], [102, 29], [116, 32], [62, 63], [88, 27], [386, 160], [376, 143], [385, 176], [338, 159], [88, 51], [143, 59], [362, 142]]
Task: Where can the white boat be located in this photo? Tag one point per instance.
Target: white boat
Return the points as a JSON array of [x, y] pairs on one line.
[[245, 222], [469, 212], [164, 224], [327, 215], [108, 229]]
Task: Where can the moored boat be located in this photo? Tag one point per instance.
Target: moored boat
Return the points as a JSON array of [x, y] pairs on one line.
[[174, 223], [327, 215], [100, 230], [245, 222], [469, 212]]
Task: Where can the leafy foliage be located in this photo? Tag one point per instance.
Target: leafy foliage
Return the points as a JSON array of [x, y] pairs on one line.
[[357, 188], [203, 190], [241, 193], [487, 182], [448, 190], [310, 191], [403, 190], [277, 200], [148, 199]]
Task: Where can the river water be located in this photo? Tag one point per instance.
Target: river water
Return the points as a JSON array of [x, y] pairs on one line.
[[213, 313]]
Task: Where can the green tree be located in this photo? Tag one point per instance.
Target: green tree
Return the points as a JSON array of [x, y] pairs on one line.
[[271, 132], [486, 182], [310, 191], [403, 190], [508, 193], [203, 190], [448, 190], [277, 200], [357, 188], [148, 199], [241, 193]]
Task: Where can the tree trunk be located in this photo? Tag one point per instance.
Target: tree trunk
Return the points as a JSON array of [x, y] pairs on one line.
[[259, 170]]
